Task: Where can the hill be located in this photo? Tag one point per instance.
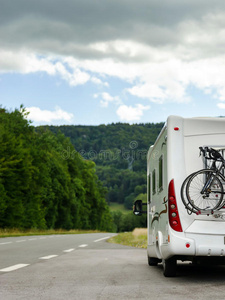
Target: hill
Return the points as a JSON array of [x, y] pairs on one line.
[[41, 190], [119, 152]]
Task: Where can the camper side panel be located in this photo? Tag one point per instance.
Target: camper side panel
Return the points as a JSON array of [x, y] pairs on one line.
[[157, 195]]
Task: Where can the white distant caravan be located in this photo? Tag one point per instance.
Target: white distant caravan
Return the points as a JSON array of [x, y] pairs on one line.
[[175, 231]]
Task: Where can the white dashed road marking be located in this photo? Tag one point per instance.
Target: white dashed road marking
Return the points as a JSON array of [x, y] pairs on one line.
[[18, 266], [48, 257], [13, 268], [69, 250], [82, 246]]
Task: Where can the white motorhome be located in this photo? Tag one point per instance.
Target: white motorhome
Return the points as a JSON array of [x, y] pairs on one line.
[[174, 233]]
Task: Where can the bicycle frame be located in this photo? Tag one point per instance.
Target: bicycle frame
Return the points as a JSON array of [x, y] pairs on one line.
[[211, 178], [207, 187]]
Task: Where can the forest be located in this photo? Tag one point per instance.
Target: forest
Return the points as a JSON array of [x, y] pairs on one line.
[[54, 177], [41, 189], [119, 152]]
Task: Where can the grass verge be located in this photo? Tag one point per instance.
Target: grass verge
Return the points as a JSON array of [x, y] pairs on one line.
[[116, 206], [136, 238], [17, 232]]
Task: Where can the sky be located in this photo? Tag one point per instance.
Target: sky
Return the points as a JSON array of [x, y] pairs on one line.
[[91, 62]]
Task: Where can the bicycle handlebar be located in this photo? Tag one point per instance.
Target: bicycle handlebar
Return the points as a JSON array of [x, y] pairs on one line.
[[212, 153]]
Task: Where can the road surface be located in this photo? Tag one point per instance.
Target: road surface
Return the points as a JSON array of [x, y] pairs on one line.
[[87, 267]]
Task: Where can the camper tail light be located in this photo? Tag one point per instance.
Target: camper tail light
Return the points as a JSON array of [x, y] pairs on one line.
[[174, 218]]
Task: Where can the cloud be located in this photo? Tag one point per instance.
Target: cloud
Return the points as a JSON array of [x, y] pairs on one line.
[[129, 113], [150, 91], [221, 105], [68, 28], [25, 63], [99, 81], [47, 116], [74, 78], [106, 98], [159, 51]]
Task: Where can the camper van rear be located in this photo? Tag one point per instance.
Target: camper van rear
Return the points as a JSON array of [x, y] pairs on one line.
[[175, 230]]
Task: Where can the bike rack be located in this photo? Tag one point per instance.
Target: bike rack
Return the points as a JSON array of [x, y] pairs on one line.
[[209, 155]]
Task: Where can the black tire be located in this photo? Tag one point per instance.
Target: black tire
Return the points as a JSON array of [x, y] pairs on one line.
[[153, 261], [183, 195], [212, 197], [169, 267]]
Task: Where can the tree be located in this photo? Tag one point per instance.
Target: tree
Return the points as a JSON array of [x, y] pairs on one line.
[[39, 186]]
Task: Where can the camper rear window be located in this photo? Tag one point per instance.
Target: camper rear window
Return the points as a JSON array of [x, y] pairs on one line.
[[160, 173]]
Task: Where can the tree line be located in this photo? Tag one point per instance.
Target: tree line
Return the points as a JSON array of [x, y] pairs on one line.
[[119, 151], [40, 187]]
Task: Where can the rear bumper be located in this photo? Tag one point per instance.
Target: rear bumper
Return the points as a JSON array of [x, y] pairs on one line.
[[208, 245], [188, 245], [178, 244]]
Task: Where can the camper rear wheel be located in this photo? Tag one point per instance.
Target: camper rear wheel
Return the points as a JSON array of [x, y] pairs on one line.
[[169, 267], [153, 261]]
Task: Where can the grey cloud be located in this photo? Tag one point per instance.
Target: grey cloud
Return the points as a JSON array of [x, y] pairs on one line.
[[68, 26], [105, 11]]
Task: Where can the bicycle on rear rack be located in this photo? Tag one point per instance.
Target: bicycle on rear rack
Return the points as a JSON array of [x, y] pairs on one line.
[[202, 191]]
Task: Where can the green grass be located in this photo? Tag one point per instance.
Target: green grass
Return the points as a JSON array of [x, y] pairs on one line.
[[113, 206], [18, 232], [137, 238]]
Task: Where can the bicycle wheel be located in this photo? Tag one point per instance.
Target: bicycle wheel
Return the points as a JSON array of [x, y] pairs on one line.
[[204, 190], [186, 203]]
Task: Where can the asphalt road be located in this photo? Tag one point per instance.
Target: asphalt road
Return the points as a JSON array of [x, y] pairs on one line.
[[87, 267]]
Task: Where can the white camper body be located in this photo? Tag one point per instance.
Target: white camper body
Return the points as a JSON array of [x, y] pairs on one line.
[[170, 160]]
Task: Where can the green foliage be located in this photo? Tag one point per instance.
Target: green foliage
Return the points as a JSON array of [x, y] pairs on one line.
[[128, 221], [119, 151], [114, 144], [42, 188]]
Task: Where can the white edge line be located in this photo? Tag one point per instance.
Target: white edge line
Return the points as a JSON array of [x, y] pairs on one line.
[[107, 237], [20, 241], [13, 268], [48, 257]]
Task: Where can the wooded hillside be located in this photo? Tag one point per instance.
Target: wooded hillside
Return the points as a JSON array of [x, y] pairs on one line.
[[40, 187], [119, 151]]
